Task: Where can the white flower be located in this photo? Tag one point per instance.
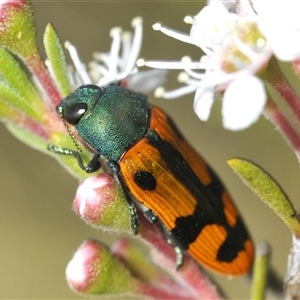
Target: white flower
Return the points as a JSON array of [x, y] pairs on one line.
[[280, 23], [118, 66], [238, 42]]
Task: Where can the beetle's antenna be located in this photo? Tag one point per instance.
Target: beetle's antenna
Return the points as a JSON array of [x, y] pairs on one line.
[[71, 134]]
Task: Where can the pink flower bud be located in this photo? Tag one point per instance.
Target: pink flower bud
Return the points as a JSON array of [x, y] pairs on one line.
[[99, 201], [94, 271]]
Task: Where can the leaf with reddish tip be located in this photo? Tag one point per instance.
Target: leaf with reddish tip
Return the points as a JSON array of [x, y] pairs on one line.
[[18, 31]]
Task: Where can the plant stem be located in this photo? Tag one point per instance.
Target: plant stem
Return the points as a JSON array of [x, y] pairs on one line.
[[260, 272], [38, 69], [276, 117], [278, 82]]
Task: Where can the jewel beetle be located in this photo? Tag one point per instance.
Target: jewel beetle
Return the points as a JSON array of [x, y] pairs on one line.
[[160, 173]]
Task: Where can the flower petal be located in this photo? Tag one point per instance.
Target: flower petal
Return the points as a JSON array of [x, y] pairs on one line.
[[203, 101], [243, 102], [209, 24], [204, 96], [283, 37], [146, 81], [285, 44]]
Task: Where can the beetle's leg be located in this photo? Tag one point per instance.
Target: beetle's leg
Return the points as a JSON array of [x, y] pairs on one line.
[[151, 217], [178, 250], [93, 165], [131, 205], [179, 257], [133, 212]]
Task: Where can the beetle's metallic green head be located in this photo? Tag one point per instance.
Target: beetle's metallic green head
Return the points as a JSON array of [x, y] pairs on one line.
[[109, 119]]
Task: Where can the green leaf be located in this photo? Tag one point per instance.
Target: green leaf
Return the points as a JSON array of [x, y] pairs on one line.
[[69, 162], [57, 60], [28, 138], [12, 115], [14, 76], [8, 113], [267, 190], [9, 97]]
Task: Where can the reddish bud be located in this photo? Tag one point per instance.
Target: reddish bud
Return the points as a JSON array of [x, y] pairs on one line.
[[93, 270], [99, 201]]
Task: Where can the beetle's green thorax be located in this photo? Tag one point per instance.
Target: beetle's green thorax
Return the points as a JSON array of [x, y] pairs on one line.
[[114, 119]]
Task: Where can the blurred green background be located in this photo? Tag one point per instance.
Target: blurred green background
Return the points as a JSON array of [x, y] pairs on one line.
[[39, 231]]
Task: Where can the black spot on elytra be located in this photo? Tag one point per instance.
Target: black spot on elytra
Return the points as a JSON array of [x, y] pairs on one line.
[[145, 180]]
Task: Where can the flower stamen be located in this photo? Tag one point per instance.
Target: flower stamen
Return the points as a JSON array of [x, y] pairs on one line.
[[136, 45], [115, 34], [79, 66], [172, 33]]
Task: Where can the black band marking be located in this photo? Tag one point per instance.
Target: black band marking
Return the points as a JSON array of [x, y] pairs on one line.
[[230, 247], [209, 209]]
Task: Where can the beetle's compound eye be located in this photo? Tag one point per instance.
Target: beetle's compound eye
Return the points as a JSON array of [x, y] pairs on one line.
[[73, 113]]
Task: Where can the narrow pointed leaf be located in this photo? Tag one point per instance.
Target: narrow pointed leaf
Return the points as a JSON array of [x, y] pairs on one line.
[[8, 112], [13, 99], [28, 138], [14, 117], [267, 190], [12, 73], [57, 60]]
